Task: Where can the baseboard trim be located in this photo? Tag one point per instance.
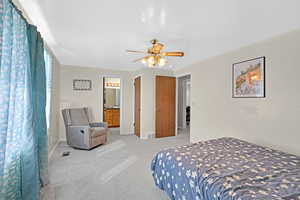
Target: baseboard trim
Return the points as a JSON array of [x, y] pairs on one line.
[[147, 136], [151, 135], [55, 146], [127, 133], [143, 138], [52, 150]]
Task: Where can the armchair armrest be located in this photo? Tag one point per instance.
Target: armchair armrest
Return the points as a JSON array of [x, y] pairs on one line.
[[99, 124]]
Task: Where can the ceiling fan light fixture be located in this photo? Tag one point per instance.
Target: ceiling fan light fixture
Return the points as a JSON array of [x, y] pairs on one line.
[[162, 62], [144, 61], [151, 60], [155, 55]]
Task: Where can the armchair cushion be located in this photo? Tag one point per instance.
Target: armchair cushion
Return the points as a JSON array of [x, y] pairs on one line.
[[99, 124]]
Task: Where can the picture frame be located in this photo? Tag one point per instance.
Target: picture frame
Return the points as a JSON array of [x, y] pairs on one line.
[[249, 78], [82, 84]]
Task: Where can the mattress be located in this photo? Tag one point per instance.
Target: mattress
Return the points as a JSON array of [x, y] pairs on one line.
[[226, 168]]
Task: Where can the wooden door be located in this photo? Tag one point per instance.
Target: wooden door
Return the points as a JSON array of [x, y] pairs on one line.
[[165, 106], [137, 106]]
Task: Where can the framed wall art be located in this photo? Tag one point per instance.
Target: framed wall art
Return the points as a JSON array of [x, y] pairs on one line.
[[82, 84], [249, 78]]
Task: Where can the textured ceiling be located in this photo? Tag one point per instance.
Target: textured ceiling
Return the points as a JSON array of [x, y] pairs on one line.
[[97, 33]]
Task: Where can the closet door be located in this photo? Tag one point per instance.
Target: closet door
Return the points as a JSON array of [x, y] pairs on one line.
[[137, 106], [165, 106]]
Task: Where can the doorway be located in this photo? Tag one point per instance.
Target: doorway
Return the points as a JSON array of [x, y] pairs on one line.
[[111, 101], [184, 104]]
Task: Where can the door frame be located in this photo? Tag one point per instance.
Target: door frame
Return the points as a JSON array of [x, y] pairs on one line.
[[133, 100], [121, 99], [177, 97]]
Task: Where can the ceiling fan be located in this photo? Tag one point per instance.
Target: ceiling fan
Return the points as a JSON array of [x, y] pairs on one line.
[[156, 56]]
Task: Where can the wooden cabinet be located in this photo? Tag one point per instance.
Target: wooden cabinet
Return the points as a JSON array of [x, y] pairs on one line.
[[112, 117]]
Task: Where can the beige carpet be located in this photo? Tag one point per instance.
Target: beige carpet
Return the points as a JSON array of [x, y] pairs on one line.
[[119, 170]]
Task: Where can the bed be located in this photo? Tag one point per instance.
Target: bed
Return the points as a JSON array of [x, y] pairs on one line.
[[226, 168]]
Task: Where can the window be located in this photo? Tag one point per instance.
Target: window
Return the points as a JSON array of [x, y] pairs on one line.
[[48, 67]]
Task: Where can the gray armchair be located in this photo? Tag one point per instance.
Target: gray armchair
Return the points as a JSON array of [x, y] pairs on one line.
[[80, 132]]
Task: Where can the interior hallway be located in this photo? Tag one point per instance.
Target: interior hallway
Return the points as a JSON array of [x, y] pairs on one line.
[[119, 170]]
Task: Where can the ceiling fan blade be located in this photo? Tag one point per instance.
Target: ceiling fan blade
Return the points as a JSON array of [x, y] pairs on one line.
[[179, 54], [137, 60], [133, 51]]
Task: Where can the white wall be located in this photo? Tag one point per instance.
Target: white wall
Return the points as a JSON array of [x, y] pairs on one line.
[[94, 98], [148, 99], [273, 121], [53, 131]]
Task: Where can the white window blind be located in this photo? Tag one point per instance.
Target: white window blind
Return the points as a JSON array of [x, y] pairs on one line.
[[49, 68]]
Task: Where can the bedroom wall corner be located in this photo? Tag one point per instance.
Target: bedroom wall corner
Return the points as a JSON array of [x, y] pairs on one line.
[[272, 121], [93, 98]]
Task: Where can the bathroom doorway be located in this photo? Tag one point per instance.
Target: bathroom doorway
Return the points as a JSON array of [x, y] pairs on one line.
[[112, 101]]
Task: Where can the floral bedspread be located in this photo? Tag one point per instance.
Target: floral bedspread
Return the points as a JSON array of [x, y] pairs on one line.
[[227, 168]]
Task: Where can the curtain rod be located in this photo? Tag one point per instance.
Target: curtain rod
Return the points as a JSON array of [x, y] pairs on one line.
[[18, 10]]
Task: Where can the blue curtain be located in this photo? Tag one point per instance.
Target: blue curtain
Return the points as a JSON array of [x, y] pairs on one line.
[[38, 81], [23, 136]]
